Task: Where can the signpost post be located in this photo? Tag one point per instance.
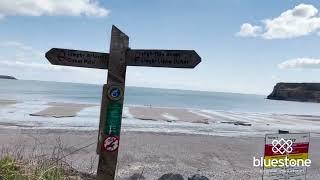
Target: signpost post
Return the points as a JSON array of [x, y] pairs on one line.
[[116, 62]]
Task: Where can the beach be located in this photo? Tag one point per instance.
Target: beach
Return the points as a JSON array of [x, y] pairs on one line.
[[226, 154], [154, 154], [150, 90], [216, 134]]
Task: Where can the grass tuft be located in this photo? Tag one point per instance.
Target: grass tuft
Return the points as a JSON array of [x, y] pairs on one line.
[[37, 165], [13, 170], [8, 169]]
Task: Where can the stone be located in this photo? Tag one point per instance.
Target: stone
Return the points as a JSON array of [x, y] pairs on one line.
[[136, 176], [198, 177], [171, 176]]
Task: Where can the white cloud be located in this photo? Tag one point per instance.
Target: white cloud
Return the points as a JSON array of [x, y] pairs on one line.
[[300, 63], [247, 30], [15, 44], [302, 20], [51, 8]]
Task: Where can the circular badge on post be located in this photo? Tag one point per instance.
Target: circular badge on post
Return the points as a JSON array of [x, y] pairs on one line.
[[115, 93], [111, 143]]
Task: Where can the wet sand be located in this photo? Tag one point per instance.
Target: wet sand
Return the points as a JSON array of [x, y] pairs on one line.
[[217, 157], [167, 114], [157, 153], [5, 102], [60, 110]]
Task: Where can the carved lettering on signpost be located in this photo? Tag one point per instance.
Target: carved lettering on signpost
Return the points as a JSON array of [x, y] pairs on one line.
[[113, 92]]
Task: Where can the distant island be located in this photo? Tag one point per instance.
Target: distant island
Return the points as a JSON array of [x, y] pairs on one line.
[[303, 92], [7, 77]]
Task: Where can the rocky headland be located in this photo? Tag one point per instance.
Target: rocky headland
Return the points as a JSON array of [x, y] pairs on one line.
[[7, 77], [303, 92]]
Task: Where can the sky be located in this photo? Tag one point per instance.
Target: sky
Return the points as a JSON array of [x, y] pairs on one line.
[[246, 46]]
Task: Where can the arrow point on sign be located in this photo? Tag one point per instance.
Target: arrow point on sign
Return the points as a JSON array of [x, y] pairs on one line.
[[49, 55], [197, 58]]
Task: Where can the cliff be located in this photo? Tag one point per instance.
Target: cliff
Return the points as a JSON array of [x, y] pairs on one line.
[[7, 77], [303, 92]]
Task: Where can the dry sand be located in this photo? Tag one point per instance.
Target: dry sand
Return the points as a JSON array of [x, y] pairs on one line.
[[213, 156]]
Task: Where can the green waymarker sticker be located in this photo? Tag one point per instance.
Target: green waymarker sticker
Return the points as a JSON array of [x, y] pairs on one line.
[[114, 116]]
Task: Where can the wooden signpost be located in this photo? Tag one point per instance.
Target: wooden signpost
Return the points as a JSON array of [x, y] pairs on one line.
[[116, 62]]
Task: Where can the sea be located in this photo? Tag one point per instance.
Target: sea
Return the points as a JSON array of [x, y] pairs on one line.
[[33, 96]]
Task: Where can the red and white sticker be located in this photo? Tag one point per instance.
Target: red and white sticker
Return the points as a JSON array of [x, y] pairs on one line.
[[111, 143]]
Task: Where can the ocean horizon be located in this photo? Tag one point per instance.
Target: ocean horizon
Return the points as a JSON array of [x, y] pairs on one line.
[[34, 96]]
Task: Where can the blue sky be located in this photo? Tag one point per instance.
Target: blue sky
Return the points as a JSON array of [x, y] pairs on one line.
[[246, 46]]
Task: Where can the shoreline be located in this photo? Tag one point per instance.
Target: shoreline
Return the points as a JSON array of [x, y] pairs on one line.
[[76, 107], [155, 140], [76, 116], [216, 157]]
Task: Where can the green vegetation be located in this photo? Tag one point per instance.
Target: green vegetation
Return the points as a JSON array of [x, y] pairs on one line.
[[35, 163], [8, 169], [13, 170]]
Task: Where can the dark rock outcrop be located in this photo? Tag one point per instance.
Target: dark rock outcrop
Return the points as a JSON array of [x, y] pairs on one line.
[[7, 77], [171, 176], [198, 177], [303, 92], [136, 176]]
